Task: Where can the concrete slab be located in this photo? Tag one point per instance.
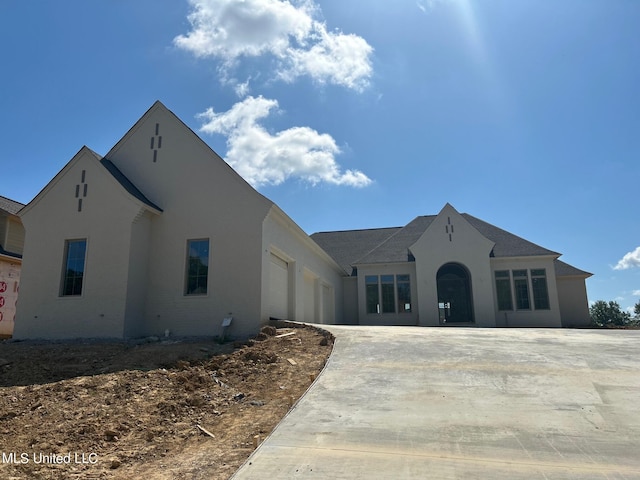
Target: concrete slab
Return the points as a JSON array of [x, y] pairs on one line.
[[462, 403]]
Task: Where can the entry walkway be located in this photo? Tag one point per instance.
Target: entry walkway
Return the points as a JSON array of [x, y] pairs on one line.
[[458, 403]]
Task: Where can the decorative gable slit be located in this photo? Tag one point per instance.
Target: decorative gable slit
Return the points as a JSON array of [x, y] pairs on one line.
[[84, 188], [156, 143]]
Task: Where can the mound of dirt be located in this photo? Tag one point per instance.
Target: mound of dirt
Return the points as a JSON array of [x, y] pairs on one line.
[[159, 410]]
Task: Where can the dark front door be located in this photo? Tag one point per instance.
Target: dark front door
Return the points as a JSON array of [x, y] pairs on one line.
[[454, 295]]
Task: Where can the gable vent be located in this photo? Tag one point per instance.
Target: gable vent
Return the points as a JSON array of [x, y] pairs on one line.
[[156, 143]]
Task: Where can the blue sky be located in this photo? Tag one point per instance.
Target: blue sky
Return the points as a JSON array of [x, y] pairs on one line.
[[359, 113]]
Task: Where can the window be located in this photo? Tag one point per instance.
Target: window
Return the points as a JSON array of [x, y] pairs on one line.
[[539, 289], [73, 273], [403, 286], [503, 290], [388, 293], [197, 267], [372, 293], [521, 287]]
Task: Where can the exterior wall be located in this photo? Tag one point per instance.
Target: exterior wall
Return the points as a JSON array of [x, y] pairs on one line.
[[9, 283], [531, 317], [572, 296], [138, 278], [350, 302], [201, 198], [105, 221], [365, 318], [284, 238], [467, 247]]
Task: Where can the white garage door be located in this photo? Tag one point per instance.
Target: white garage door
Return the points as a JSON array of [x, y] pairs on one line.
[[278, 288]]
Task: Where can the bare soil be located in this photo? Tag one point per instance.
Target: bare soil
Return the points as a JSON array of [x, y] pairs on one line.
[[162, 410]]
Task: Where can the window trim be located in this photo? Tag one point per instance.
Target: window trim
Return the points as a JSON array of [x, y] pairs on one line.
[[187, 275], [65, 267], [506, 279], [377, 280]]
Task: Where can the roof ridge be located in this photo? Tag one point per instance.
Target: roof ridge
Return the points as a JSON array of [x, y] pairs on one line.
[[358, 230]]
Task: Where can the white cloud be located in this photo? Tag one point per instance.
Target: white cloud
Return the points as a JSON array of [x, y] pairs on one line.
[[263, 158], [630, 260], [300, 44], [636, 293]]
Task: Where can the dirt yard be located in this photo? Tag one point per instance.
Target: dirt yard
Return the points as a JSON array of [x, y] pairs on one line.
[[158, 410]]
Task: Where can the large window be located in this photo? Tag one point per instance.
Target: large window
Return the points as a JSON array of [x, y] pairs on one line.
[[372, 293], [539, 289], [403, 285], [503, 290], [388, 296], [521, 287], [197, 267], [388, 293], [73, 273]]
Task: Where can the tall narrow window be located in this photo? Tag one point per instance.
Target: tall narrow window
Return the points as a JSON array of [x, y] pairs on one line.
[[73, 273], [403, 286], [197, 267], [521, 287], [372, 294], [539, 289], [388, 295], [503, 290]]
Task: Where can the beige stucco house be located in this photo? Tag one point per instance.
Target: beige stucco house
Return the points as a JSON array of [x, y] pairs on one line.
[[454, 269], [161, 236], [11, 246]]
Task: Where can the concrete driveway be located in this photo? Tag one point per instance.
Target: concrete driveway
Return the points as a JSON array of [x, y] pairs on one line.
[[444, 403]]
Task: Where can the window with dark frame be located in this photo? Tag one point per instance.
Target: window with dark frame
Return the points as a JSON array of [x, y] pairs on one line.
[[372, 293], [539, 289], [521, 288], [403, 287], [388, 293], [503, 290], [197, 267], [74, 263]]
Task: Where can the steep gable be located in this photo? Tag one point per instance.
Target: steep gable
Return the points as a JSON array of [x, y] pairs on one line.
[[173, 166]]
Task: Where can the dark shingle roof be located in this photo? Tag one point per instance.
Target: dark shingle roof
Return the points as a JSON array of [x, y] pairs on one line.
[[347, 246], [565, 270], [391, 245], [127, 184], [10, 206]]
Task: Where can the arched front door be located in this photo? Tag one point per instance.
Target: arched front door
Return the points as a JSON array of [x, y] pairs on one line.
[[455, 303]]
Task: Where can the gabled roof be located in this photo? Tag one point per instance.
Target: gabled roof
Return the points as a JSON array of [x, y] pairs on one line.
[[391, 245], [347, 246], [127, 184], [565, 270], [10, 206]]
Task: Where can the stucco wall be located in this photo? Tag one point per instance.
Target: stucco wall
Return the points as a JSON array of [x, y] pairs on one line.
[[530, 317], [350, 301], [105, 222], [283, 237], [464, 245], [201, 197], [574, 307], [409, 318]]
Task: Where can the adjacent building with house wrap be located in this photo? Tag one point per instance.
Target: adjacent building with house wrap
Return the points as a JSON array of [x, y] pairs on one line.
[[162, 234], [11, 245]]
